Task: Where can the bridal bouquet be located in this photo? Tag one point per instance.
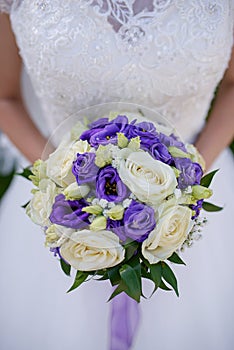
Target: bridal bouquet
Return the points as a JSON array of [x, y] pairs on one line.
[[118, 199]]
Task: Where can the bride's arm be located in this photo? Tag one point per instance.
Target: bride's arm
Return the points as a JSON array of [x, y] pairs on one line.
[[14, 120], [219, 129]]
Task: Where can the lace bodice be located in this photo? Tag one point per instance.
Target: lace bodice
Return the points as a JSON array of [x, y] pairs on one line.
[[164, 54]]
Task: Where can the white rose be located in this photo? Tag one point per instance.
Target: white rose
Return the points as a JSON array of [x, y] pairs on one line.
[[88, 250], [59, 164], [40, 206], [149, 180], [173, 226]]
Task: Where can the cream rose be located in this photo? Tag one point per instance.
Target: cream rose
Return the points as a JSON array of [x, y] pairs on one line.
[[88, 250], [59, 164], [173, 226], [149, 180], [40, 206]]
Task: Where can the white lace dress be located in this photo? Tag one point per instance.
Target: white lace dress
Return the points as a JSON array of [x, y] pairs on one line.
[[165, 54]]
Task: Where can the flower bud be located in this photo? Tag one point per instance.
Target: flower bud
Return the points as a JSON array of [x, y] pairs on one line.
[[178, 153], [74, 191], [122, 140], [93, 209], [201, 192], [103, 156], [39, 172], [196, 156], [176, 171], [135, 144], [116, 213], [51, 235], [98, 224]]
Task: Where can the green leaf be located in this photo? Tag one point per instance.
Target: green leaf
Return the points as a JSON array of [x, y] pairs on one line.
[[144, 271], [169, 277], [121, 288], [25, 205], [5, 181], [211, 207], [134, 262], [79, 279], [103, 278], [26, 173], [130, 249], [206, 180], [132, 281], [163, 286], [176, 259], [156, 274], [114, 276], [65, 267]]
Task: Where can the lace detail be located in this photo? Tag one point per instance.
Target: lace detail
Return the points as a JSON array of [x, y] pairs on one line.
[[168, 55], [122, 13], [5, 5]]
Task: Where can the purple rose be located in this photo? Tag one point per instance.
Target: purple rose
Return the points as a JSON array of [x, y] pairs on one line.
[[109, 185], [109, 133], [100, 136], [100, 123], [148, 136], [69, 213], [139, 221], [121, 121], [117, 226], [171, 140], [160, 152], [191, 173], [105, 132], [147, 126], [84, 168]]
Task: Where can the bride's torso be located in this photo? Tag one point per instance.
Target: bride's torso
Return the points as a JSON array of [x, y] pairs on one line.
[[165, 54]]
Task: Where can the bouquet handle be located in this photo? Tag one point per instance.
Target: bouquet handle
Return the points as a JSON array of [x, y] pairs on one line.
[[125, 317]]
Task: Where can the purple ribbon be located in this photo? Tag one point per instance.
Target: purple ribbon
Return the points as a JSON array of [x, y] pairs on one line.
[[125, 316]]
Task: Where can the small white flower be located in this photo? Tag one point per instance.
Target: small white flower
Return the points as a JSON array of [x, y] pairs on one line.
[[115, 163], [177, 193], [95, 201], [188, 189], [132, 196], [111, 205], [105, 211], [103, 203], [127, 202]]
